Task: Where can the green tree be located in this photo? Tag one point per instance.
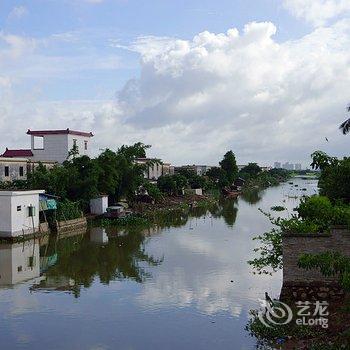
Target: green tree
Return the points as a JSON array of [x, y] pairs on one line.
[[334, 181], [172, 184], [251, 170], [229, 165], [217, 177], [194, 180]]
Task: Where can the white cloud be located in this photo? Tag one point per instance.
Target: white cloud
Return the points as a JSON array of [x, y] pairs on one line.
[[317, 12], [195, 99], [18, 12], [245, 91]]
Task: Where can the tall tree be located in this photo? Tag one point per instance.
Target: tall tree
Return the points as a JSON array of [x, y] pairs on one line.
[[229, 165]]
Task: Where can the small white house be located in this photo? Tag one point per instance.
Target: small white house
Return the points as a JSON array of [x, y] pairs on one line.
[[19, 212], [99, 205], [19, 262]]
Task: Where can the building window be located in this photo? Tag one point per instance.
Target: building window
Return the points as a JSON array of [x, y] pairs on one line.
[[85, 145], [19, 208], [21, 171], [7, 171], [19, 268]]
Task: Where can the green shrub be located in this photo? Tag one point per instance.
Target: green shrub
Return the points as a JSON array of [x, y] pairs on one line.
[[68, 210], [296, 225], [317, 209], [322, 212], [153, 190]]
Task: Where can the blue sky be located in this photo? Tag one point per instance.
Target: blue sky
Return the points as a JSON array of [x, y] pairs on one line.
[[94, 25], [141, 70]]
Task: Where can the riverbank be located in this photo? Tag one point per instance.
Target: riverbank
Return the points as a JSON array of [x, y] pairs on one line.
[[158, 213]]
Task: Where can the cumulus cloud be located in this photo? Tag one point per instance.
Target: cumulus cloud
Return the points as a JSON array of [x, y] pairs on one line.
[[317, 12], [242, 91], [195, 99]]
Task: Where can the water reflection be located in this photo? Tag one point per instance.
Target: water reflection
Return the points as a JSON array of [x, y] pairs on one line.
[[252, 196], [188, 277], [19, 262]]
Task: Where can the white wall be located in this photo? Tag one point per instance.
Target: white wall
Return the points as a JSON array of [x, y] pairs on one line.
[[15, 262], [98, 206], [57, 147], [80, 143], [14, 169], [13, 221]]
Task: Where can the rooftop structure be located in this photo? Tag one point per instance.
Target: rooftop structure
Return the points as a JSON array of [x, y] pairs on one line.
[[53, 145]]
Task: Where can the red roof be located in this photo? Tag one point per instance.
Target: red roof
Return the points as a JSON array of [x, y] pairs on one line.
[[58, 132], [15, 153]]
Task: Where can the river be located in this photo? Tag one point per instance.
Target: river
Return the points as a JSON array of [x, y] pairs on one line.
[[185, 285]]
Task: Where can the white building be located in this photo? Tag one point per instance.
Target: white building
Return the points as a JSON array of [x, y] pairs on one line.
[[19, 262], [156, 170], [277, 165], [297, 166], [99, 205], [288, 166], [53, 145], [19, 212], [13, 169]]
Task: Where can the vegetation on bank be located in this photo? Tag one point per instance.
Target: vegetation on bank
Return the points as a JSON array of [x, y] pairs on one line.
[[315, 214]]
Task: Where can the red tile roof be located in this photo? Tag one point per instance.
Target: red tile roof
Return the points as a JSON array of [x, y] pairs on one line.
[[59, 132], [16, 153]]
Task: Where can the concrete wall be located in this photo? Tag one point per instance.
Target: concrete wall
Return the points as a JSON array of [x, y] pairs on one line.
[[14, 212], [294, 245], [57, 147], [19, 262], [80, 143], [14, 166]]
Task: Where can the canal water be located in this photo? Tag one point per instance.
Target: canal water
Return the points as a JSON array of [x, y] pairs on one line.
[[183, 285]]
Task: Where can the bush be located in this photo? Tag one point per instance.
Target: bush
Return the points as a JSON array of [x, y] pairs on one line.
[[153, 190], [68, 210], [299, 226], [335, 179], [320, 210]]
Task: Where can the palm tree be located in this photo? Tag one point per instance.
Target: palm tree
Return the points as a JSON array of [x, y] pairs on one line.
[[345, 126]]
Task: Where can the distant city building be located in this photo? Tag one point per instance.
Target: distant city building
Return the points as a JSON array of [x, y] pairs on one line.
[[288, 166], [277, 165], [297, 166], [53, 145]]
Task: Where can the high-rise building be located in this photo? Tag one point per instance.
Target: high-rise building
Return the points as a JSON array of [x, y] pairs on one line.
[[297, 166], [288, 166], [277, 165]]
